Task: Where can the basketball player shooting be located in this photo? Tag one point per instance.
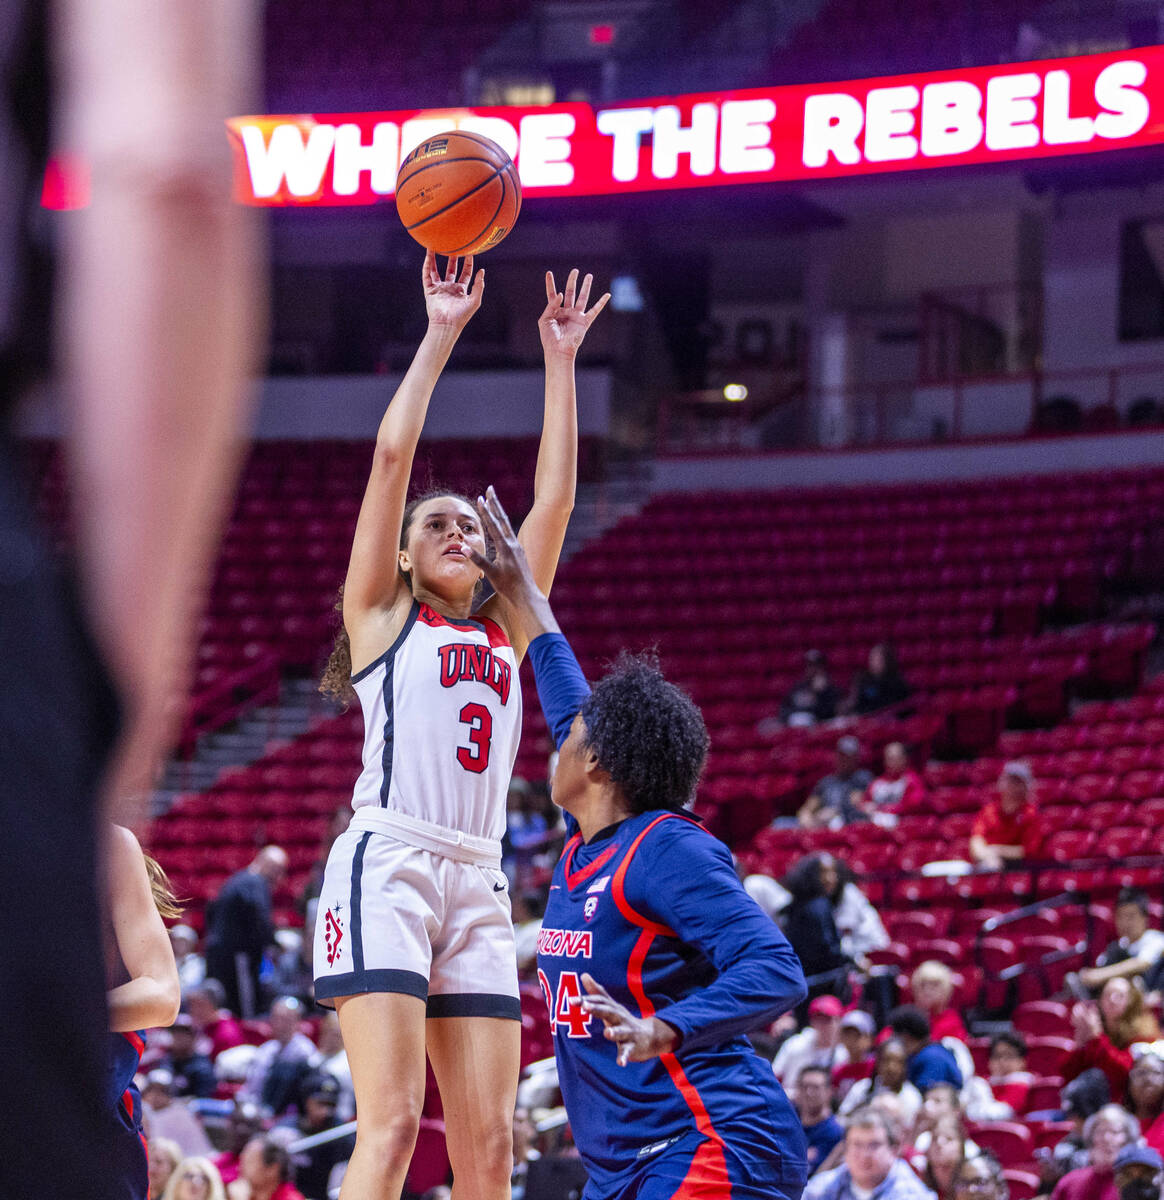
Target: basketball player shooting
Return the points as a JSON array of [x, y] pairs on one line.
[[414, 944], [653, 958]]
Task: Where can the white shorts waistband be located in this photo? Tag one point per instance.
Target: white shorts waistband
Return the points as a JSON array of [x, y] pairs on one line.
[[413, 831]]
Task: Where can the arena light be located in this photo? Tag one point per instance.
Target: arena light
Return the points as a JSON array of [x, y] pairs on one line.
[[1019, 111]]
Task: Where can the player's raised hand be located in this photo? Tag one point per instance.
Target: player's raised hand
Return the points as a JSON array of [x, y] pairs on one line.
[[564, 322], [449, 301], [638, 1038]]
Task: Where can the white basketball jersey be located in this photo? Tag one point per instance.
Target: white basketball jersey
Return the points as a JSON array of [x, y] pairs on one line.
[[442, 720]]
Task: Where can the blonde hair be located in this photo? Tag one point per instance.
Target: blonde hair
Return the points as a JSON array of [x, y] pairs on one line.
[[165, 899], [203, 1165], [937, 972]]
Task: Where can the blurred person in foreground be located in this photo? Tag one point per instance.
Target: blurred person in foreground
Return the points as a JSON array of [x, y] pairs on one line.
[[648, 927], [871, 1169], [1104, 1135], [158, 318], [1137, 1173], [1009, 828]]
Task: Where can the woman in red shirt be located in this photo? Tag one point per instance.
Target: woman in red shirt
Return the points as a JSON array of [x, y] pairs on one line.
[[1146, 1098], [1104, 1034], [932, 987]]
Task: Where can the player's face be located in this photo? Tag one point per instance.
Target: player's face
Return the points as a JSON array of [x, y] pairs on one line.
[[570, 774], [442, 532]]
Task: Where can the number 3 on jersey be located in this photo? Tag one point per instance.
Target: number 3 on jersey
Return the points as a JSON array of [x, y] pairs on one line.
[[475, 756], [566, 1009]]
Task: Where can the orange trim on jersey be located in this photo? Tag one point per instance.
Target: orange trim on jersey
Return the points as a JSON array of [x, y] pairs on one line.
[[616, 884], [135, 1040], [580, 876], [707, 1178]]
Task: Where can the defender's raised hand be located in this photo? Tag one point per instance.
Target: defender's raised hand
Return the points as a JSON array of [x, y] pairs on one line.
[[564, 322], [449, 301]]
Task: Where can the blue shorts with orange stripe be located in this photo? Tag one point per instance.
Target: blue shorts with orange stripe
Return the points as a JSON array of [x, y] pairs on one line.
[[709, 1171]]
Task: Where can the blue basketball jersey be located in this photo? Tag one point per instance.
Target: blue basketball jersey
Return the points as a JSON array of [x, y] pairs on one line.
[[653, 910]]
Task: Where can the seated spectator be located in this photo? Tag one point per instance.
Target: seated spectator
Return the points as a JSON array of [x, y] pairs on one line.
[[880, 685], [1080, 1099], [164, 1157], [814, 697], [524, 1152], [814, 1105], [838, 799], [1146, 1098], [889, 1075], [1009, 828], [333, 1060], [870, 1168], [929, 1062], [191, 964], [811, 929], [856, 919], [293, 973], [899, 788], [1137, 1173], [1105, 1033], [1137, 950], [193, 1073], [264, 1172], [336, 827], [856, 1033], [280, 1063], [932, 988], [217, 1028], [317, 1108], [1104, 1135], [1003, 1096], [981, 1178], [941, 1101], [244, 1123], [195, 1179], [944, 1156], [167, 1117], [817, 1045]]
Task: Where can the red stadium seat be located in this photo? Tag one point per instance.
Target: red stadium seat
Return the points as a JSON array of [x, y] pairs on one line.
[[1010, 1142]]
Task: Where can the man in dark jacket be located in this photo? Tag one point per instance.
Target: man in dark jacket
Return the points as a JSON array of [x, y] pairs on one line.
[[193, 1072]]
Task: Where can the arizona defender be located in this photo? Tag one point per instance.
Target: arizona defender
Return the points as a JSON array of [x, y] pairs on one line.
[[649, 941]]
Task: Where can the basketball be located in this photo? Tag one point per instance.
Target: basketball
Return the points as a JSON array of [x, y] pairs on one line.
[[458, 193]]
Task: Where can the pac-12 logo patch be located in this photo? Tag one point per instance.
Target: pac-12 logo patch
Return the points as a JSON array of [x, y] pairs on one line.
[[590, 907], [333, 934]]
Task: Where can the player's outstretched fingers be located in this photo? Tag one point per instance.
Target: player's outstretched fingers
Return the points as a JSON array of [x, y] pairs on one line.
[[603, 300], [584, 294], [430, 276], [451, 271], [497, 511], [467, 270], [571, 284]]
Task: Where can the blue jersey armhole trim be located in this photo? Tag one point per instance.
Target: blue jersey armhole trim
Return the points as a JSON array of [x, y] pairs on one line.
[[409, 621]]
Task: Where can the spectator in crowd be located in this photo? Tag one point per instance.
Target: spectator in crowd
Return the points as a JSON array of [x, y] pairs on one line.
[[293, 974], [814, 697], [1009, 828], [944, 1156], [880, 685], [856, 919], [195, 1179], [871, 1169], [1105, 1033], [981, 1178], [1146, 1098], [240, 931], [899, 788], [817, 1045], [839, 798], [932, 988], [167, 1117], [340, 820], [1080, 1099], [317, 1114], [528, 908], [524, 1151], [856, 1033], [333, 1061], [929, 1062], [217, 1028], [811, 929], [279, 1064], [191, 964], [940, 1101], [890, 1075], [244, 1123], [1138, 948], [264, 1172], [193, 1073], [1104, 1135], [525, 823], [164, 1157], [1137, 1173], [814, 1105], [1003, 1095]]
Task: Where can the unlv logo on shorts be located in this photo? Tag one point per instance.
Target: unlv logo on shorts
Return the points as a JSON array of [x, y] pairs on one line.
[[333, 934]]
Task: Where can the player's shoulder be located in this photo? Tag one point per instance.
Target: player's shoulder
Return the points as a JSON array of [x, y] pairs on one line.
[[676, 832]]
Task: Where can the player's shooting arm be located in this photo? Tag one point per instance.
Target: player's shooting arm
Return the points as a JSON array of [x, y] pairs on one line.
[[373, 581]]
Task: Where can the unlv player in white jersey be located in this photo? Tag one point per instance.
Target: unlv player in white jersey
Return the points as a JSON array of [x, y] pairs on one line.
[[414, 944]]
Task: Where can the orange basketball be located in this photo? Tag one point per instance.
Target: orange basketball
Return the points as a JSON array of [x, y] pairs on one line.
[[458, 193]]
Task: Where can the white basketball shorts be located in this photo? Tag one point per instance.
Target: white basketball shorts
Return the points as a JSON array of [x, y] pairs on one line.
[[412, 908]]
